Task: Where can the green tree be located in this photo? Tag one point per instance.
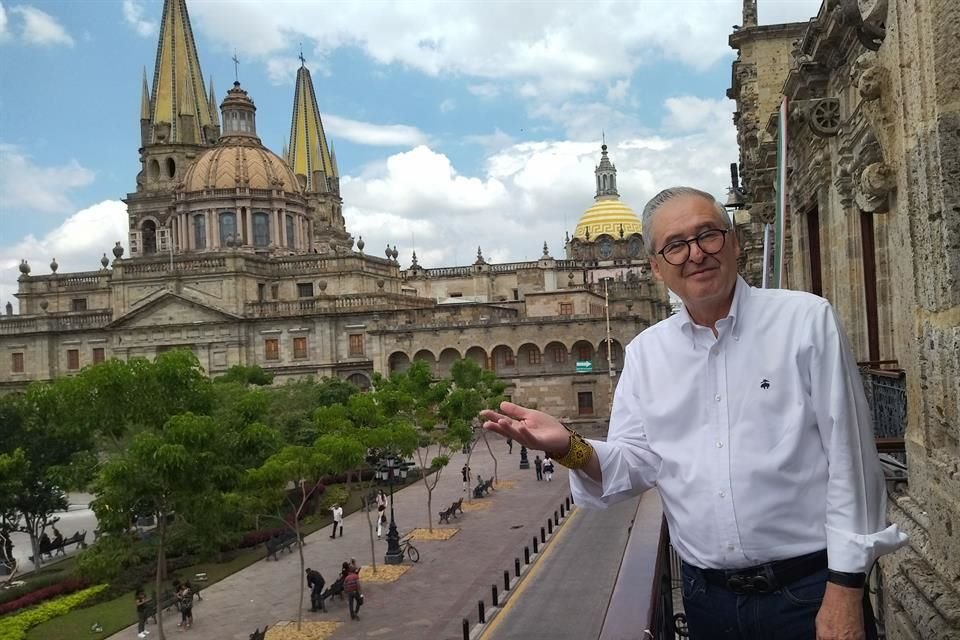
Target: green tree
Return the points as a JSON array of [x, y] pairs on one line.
[[116, 398], [180, 470], [416, 399], [300, 467], [42, 455], [252, 375], [473, 390]]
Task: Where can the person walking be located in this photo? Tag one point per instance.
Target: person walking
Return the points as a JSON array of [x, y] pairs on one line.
[[381, 523], [351, 586], [548, 468], [746, 411], [509, 445], [315, 583], [538, 465], [141, 599], [337, 520], [381, 511], [465, 472]]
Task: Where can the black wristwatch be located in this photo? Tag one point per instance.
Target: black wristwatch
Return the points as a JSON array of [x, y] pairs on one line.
[[849, 580]]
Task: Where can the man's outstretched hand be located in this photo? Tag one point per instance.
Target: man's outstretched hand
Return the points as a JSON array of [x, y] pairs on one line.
[[531, 428]]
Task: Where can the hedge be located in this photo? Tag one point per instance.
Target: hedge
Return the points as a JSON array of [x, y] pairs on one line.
[[45, 593], [16, 627]]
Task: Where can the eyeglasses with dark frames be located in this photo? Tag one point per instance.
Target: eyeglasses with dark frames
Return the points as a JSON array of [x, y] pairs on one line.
[[710, 242]]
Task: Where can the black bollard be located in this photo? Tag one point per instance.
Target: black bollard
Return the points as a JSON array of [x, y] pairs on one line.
[[550, 526], [495, 600], [535, 541], [556, 519], [561, 510], [466, 629], [543, 535], [516, 566], [568, 503], [483, 617], [526, 555], [506, 580]]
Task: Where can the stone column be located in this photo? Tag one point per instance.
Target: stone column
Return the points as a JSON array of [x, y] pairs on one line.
[[248, 221]]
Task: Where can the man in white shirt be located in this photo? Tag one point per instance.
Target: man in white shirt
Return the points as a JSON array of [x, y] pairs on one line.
[[747, 412], [337, 520]]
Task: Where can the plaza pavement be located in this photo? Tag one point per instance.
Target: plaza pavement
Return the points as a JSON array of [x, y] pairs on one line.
[[429, 601]]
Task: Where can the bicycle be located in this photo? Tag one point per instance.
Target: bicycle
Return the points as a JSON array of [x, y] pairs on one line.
[[410, 550]]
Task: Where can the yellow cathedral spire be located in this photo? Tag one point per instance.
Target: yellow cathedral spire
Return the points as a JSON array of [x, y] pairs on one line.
[[178, 81], [308, 153]]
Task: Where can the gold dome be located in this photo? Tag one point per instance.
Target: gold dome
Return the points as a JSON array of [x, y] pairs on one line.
[[607, 216], [240, 162]]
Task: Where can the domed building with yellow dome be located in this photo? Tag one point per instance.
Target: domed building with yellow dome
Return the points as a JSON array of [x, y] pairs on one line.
[[609, 232], [242, 256]]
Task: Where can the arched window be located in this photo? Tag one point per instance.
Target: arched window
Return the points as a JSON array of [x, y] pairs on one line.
[[228, 228], [289, 225], [261, 229], [171, 168], [200, 231], [604, 183], [149, 230]]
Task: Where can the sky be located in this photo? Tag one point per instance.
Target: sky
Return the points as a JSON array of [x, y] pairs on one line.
[[456, 124]]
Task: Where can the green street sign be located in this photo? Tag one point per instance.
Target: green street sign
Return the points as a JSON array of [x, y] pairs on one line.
[[584, 366]]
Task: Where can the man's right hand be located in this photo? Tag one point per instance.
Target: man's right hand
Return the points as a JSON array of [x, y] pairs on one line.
[[531, 428]]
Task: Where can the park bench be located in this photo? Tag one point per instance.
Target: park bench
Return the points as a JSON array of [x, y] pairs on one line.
[[284, 541], [451, 511], [482, 487], [168, 600], [57, 546]]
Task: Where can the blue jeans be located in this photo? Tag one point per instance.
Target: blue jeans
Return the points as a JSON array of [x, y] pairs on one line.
[[714, 613]]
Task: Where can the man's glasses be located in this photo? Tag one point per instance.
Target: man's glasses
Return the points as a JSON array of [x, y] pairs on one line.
[[710, 242]]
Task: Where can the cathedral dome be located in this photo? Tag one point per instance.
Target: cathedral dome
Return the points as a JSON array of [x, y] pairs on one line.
[[240, 162], [607, 216]]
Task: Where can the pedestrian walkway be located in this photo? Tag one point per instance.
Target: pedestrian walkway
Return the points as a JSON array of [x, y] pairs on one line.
[[429, 600]]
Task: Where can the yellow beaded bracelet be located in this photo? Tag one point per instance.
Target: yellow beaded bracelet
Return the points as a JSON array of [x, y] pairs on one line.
[[579, 453]]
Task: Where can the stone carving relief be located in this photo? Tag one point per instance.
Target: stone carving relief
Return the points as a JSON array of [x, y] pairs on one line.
[[763, 212], [823, 117], [877, 181]]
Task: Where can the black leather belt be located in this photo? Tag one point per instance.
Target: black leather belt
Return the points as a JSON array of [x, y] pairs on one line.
[[769, 577]]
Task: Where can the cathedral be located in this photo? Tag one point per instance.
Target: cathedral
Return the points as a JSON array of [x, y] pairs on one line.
[[243, 256]]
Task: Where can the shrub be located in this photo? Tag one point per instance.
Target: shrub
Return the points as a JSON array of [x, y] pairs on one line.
[[16, 627], [45, 593], [33, 583]]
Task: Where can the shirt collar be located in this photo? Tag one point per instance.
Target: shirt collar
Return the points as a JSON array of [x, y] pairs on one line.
[[741, 292]]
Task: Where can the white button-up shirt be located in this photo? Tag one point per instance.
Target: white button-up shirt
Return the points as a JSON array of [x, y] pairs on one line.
[[759, 439]]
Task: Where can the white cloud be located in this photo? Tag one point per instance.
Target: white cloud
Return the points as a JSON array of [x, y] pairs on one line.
[[398, 135], [689, 113], [27, 186], [448, 105], [133, 14], [41, 28], [493, 141], [484, 90], [4, 33], [617, 92], [77, 244], [527, 192]]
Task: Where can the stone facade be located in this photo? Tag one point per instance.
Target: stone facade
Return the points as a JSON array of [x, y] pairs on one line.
[[873, 225], [243, 257]]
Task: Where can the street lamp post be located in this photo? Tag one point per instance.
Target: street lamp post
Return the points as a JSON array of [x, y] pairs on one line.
[[610, 372], [394, 468]]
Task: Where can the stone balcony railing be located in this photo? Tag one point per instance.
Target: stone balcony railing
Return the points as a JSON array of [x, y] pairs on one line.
[[357, 303], [44, 323], [243, 260]]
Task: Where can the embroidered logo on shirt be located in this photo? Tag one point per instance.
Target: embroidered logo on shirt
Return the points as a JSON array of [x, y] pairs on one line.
[[764, 384]]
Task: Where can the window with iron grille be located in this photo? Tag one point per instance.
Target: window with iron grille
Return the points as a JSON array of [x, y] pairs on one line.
[[16, 362], [78, 304], [533, 356], [584, 352], [559, 354], [99, 355], [304, 289], [73, 359], [508, 359], [271, 349], [566, 308]]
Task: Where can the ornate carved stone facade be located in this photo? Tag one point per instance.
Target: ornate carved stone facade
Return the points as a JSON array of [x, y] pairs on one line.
[[873, 225], [243, 257]]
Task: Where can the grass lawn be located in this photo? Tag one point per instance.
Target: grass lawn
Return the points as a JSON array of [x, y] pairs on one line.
[[121, 612]]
